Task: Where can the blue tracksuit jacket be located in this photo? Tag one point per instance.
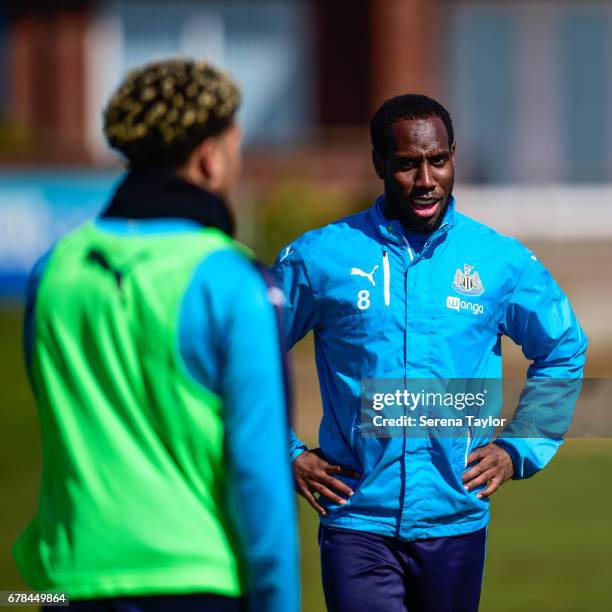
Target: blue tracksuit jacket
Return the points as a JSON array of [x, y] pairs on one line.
[[381, 310]]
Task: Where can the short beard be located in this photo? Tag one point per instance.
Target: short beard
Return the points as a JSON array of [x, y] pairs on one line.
[[412, 223]]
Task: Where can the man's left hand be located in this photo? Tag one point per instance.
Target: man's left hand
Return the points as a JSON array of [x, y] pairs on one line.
[[493, 467]]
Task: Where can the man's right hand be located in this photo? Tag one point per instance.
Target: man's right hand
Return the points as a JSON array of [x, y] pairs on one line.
[[313, 475]]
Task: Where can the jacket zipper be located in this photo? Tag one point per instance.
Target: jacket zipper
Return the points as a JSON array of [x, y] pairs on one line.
[[403, 463], [403, 477], [387, 279]]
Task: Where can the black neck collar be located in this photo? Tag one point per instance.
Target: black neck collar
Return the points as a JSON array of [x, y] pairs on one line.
[[159, 194]]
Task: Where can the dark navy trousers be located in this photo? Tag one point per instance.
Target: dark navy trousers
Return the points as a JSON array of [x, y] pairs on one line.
[[363, 572]]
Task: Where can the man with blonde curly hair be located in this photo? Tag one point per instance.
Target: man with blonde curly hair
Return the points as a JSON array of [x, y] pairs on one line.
[[154, 355]]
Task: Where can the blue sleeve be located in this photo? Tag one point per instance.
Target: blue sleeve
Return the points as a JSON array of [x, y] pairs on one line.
[[229, 341], [299, 311], [30, 306], [300, 306], [540, 319]]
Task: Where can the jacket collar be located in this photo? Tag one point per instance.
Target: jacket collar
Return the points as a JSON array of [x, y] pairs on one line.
[[161, 194], [391, 230]]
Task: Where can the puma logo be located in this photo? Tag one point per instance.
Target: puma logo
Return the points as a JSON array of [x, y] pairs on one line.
[[286, 254], [99, 258], [368, 275]]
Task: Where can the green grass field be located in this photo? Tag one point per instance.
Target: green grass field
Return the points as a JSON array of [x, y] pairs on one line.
[[550, 540]]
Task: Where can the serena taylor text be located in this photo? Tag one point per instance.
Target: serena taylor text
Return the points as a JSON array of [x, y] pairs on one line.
[[423, 421]]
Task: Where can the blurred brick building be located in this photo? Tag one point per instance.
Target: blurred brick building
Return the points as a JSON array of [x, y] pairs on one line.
[[322, 69], [528, 83]]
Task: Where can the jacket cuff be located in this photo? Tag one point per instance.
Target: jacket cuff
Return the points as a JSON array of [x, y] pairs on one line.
[[296, 451], [517, 463]]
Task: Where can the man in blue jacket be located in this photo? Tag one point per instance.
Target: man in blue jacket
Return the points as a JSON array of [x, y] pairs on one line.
[[412, 289]]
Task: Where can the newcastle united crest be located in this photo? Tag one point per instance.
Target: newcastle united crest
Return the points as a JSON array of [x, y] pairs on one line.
[[467, 283]]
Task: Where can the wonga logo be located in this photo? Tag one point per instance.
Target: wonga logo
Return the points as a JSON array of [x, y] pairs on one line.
[[454, 303]]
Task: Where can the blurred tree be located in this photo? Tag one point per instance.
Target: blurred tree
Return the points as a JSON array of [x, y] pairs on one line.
[[292, 208]]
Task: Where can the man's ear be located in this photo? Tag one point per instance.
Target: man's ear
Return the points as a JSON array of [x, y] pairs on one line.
[[208, 158], [379, 164], [453, 147]]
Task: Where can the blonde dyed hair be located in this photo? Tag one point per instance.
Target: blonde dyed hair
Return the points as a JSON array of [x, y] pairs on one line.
[[163, 110]]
